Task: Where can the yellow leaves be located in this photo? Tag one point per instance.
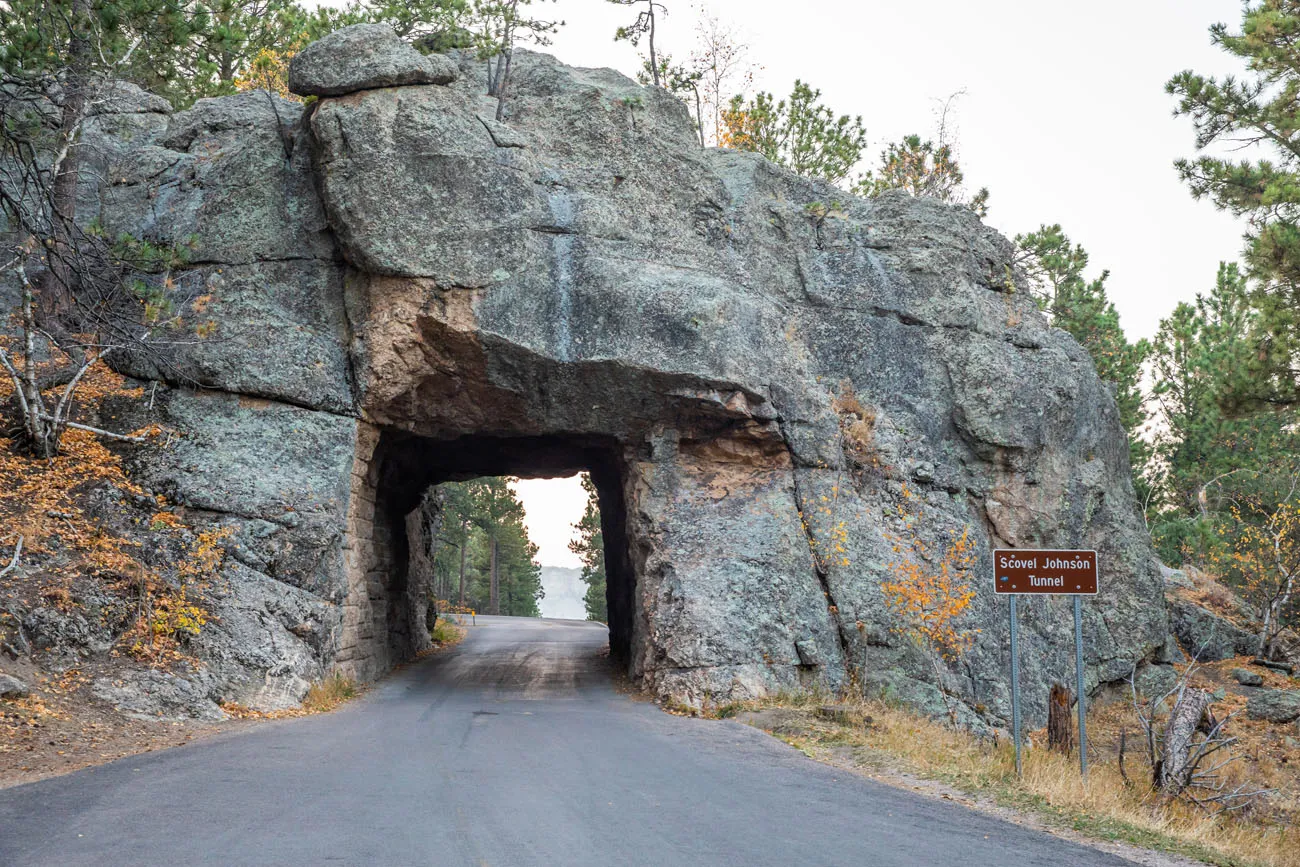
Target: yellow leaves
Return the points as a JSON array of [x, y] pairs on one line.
[[176, 615], [206, 554], [148, 431], [929, 599], [164, 521], [269, 70]]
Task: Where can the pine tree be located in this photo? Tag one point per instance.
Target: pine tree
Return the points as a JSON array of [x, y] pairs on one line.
[[1257, 110], [1201, 451], [799, 133], [1081, 307], [590, 548], [645, 26], [922, 168]]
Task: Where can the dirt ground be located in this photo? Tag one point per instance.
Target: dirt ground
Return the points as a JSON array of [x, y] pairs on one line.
[[60, 728]]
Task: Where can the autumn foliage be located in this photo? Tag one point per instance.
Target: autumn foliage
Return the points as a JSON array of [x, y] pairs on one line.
[[1263, 557], [928, 590], [43, 502]]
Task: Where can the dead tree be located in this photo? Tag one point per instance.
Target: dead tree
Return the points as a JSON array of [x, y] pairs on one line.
[[84, 294], [1175, 769], [1188, 756], [1060, 730]]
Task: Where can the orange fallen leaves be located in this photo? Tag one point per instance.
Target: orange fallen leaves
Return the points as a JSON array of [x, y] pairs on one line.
[[44, 501]]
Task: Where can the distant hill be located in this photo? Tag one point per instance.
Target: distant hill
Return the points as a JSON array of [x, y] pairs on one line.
[[564, 593]]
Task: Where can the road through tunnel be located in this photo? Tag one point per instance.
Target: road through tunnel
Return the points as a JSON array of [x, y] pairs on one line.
[[398, 589]]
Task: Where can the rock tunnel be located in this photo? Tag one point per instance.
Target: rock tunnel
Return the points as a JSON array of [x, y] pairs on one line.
[[409, 465]]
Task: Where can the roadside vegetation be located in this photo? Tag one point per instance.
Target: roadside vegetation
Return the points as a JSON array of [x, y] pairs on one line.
[[589, 545], [891, 743]]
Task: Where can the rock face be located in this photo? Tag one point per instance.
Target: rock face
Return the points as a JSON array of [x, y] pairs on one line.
[[1206, 636], [780, 390]]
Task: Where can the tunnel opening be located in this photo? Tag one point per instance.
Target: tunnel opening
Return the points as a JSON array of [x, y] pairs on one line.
[[406, 467]]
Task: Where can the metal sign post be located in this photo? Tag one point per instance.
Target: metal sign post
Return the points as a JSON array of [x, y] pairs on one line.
[[1047, 573], [1082, 693], [1015, 685]]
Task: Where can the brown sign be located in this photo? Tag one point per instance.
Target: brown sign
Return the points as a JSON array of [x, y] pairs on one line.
[[1050, 572]]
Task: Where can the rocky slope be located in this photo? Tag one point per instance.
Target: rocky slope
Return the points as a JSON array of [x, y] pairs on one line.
[[780, 389]]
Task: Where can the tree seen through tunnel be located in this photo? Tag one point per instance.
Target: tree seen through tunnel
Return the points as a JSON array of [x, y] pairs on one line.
[[499, 544]]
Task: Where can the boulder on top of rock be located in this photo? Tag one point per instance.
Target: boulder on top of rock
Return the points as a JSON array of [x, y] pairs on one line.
[[364, 57], [1275, 705]]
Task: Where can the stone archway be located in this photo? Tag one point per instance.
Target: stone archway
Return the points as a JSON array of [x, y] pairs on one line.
[[777, 378]]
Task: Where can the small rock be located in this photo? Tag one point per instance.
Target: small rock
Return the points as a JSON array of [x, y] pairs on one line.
[[1175, 577], [12, 687], [364, 57], [1245, 677], [923, 472], [807, 651], [1283, 667], [778, 720], [1275, 705]]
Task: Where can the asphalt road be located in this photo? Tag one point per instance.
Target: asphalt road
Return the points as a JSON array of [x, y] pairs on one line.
[[510, 749]]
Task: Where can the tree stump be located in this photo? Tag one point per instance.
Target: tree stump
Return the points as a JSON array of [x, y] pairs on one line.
[[1060, 731]]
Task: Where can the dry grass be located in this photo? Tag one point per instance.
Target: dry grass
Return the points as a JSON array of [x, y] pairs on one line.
[[896, 740], [445, 633], [327, 694], [323, 696], [857, 425]]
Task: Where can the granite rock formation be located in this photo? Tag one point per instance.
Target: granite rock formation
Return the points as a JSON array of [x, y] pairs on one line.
[[772, 382]]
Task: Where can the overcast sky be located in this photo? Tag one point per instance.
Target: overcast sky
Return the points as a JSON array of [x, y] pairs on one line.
[[551, 508]]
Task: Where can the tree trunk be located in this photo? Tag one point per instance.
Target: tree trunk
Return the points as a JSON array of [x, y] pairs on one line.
[[1060, 731], [494, 593], [654, 60], [503, 86], [1175, 766], [37, 430], [464, 544], [56, 285], [699, 116]]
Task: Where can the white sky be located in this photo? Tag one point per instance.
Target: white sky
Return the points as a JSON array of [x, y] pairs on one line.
[[551, 508]]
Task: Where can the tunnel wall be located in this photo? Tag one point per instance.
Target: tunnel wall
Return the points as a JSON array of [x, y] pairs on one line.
[[382, 611]]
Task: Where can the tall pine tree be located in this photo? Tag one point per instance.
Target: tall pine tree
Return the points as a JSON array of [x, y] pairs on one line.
[[590, 548], [1055, 267], [1258, 110]]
